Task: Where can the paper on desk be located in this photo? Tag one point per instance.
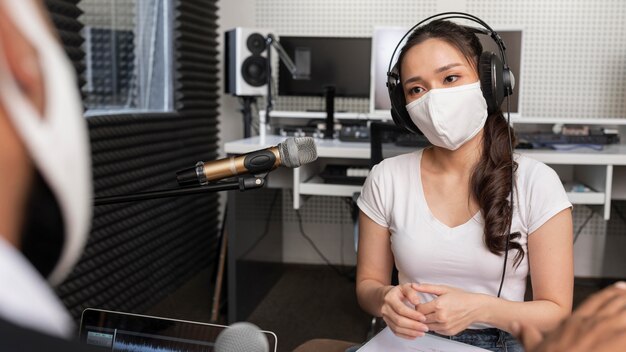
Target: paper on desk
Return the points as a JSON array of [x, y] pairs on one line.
[[388, 342]]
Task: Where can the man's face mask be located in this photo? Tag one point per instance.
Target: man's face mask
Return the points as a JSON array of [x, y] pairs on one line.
[[449, 117], [60, 204]]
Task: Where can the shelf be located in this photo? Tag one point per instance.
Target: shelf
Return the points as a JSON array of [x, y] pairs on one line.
[[316, 186], [322, 114], [598, 198], [589, 167], [568, 120], [386, 115], [613, 154]]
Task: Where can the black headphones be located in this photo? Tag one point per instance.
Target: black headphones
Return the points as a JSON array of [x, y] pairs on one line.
[[496, 79]]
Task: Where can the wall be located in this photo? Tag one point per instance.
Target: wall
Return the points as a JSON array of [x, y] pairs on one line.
[[574, 65], [139, 252], [233, 13]]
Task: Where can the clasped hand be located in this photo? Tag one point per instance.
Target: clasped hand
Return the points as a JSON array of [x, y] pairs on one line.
[[399, 312], [451, 312]]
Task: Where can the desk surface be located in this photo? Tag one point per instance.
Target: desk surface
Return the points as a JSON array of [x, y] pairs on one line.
[[614, 154], [326, 148]]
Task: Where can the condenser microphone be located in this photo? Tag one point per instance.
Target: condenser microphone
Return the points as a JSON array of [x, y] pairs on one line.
[[291, 153], [241, 337]]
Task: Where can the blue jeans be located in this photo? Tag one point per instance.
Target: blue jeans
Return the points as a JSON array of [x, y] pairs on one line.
[[490, 339]]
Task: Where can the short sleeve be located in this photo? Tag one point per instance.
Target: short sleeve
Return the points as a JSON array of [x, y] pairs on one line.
[[546, 196], [372, 200]]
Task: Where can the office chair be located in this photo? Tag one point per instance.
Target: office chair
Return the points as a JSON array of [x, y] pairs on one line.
[[387, 140]]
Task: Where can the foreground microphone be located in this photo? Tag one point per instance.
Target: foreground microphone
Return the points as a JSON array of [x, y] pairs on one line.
[[241, 337], [293, 152]]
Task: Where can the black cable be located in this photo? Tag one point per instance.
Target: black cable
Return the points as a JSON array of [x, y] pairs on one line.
[[508, 234], [270, 102], [267, 227], [619, 213], [220, 239], [580, 229], [255, 122], [341, 258], [335, 268]]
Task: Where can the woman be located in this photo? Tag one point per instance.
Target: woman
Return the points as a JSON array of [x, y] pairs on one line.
[[442, 213]]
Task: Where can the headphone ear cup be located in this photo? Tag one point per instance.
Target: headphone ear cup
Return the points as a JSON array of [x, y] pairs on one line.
[[398, 108], [491, 80]]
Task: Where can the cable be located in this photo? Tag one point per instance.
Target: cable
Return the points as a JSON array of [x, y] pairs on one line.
[[254, 109], [341, 259], [580, 229], [308, 239], [508, 234], [267, 227], [619, 213]]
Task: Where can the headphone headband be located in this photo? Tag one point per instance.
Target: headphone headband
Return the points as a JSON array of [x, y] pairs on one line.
[[459, 15]]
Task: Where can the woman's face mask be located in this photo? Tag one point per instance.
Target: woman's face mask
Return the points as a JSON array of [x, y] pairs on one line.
[[449, 117], [60, 204]]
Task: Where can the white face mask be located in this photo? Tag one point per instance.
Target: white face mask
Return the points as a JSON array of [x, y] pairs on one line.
[[449, 117], [57, 141]]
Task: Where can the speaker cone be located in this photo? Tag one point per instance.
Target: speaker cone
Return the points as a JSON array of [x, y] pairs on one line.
[[254, 70], [256, 43]]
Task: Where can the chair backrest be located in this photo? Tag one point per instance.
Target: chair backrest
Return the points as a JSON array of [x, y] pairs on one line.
[[387, 140]]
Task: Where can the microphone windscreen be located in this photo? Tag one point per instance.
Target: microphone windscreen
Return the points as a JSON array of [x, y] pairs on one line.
[[297, 151], [241, 337]]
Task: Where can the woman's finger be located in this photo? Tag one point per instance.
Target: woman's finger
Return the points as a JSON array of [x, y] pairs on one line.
[[410, 294], [404, 322], [402, 309]]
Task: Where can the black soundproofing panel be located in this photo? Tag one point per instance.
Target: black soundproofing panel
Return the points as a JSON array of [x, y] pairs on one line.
[[64, 15], [139, 252]]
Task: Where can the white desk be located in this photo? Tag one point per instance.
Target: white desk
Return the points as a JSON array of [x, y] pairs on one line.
[[593, 168]]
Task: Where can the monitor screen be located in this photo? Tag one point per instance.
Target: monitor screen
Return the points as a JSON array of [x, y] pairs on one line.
[[384, 40], [329, 61]]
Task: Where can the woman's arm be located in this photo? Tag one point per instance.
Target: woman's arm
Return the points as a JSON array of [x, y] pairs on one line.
[[551, 263], [373, 278], [550, 256]]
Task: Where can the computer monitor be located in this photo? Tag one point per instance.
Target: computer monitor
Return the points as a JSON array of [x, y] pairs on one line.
[[384, 40], [332, 61]]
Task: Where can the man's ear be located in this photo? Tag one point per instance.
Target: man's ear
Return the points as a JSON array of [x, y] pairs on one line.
[[23, 61]]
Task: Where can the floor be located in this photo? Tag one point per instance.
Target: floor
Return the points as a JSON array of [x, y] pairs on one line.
[[309, 301]]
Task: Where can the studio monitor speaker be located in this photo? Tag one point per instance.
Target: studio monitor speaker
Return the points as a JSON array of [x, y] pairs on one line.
[[245, 61]]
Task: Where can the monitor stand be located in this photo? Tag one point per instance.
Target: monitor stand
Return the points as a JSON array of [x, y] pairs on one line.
[[329, 93]]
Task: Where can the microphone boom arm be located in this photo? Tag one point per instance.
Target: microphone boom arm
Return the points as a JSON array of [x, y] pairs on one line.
[[282, 54], [242, 184]]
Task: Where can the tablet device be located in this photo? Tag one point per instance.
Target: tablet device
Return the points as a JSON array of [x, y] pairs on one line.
[[118, 331]]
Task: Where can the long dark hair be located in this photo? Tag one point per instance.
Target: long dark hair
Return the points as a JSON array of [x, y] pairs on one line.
[[491, 178]]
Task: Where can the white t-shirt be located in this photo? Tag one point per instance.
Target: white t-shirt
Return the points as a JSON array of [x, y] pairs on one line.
[[26, 299], [427, 251]]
